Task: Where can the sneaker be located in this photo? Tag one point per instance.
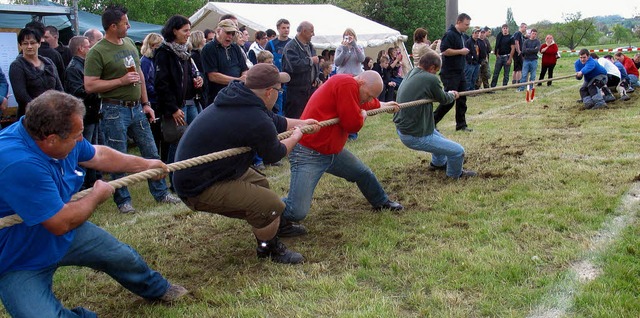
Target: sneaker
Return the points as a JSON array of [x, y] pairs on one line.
[[609, 98], [433, 167], [170, 198], [126, 208], [276, 164], [174, 293], [599, 106], [260, 166], [625, 98], [389, 205], [278, 252], [290, 229], [467, 174]]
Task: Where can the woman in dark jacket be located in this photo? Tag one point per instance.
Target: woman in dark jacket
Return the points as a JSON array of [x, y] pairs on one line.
[[175, 82], [31, 74]]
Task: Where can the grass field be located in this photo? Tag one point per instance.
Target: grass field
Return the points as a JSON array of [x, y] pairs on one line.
[[549, 228]]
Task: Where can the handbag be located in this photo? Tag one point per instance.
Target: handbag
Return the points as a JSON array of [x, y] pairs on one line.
[[171, 132]]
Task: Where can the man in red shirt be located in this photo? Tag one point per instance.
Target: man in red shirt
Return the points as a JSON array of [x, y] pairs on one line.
[[347, 98]]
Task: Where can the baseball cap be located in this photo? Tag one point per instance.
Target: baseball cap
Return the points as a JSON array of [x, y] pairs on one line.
[[263, 75], [227, 25]]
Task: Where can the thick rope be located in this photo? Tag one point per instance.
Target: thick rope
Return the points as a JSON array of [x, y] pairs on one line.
[[192, 162]]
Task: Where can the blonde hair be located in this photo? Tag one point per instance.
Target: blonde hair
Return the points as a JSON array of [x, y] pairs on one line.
[[196, 40], [350, 31], [263, 56], [151, 40]]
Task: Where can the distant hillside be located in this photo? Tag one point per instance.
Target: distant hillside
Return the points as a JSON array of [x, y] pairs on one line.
[[611, 20]]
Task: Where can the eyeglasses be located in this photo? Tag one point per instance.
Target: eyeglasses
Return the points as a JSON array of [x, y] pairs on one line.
[[230, 32], [27, 43]]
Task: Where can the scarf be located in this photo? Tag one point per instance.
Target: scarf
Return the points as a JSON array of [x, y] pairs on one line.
[[180, 50]]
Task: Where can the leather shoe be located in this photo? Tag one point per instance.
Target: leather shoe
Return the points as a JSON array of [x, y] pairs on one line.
[[290, 229], [465, 128], [389, 205], [467, 174]]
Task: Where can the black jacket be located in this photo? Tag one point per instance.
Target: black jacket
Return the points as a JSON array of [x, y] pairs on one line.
[[298, 63], [74, 85], [174, 80], [237, 118], [28, 82], [46, 51]]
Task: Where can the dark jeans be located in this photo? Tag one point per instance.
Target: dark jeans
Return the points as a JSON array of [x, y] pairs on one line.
[[456, 82], [501, 62], [543, 71]]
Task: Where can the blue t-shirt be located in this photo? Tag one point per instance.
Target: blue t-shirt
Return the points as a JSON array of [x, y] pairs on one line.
[[276, 47], [36, 187]]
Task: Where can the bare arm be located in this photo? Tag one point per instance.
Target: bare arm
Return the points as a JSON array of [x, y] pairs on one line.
[[74, 213], [94, 84], [110, 160], [223, 79]]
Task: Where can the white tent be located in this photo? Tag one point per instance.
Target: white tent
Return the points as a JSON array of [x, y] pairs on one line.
[[329, 23]]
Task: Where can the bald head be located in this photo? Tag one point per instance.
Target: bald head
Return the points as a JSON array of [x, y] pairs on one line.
[[370, 85], [305, 31]]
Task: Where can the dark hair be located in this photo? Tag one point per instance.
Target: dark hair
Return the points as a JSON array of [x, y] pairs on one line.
[[282, 21], [534, 30], [76, 42], [584, 52], [365, 63], [419, 35], [242, 29], [505, 25], [176, 22], [207, 32], [608, 57], [260, 35], [270, 33], [428, 59], [112, 15], [37, 26], [228, 16], [52, 30], [50, 114], [594, 55], [462, 17], [29, 32]]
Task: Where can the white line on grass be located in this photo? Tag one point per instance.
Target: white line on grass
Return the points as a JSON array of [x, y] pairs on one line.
[[560, 299]]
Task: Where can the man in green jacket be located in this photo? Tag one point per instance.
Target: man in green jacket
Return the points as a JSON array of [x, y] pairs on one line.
[[415, 125]]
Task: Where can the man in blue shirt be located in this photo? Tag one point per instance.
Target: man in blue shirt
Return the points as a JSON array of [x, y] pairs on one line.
[[595, 77], [55, 232]]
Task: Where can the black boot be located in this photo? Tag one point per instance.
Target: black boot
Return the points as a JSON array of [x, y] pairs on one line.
[[277, 252], [290, 229]]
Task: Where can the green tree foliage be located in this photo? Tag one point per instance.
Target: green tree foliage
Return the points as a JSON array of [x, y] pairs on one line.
[[511, 22], [402, 15], [575, 31], [622, 34]]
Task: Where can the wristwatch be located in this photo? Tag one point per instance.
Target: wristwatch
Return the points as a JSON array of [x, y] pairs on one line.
[[146, 104]]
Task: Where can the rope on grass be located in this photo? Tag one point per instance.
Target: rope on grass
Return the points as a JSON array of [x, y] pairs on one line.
[[192, 162]]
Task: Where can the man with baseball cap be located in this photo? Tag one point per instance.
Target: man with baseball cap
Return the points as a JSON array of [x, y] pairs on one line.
[[241, 116], [222, 59]]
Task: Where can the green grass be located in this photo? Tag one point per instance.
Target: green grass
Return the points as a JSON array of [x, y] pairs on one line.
[[499, 245]]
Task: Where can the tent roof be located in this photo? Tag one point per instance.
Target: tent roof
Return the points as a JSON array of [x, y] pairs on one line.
[[12, 19], [329, 21]]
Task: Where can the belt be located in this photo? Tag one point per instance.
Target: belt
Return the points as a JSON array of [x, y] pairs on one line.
[[505, 55], [125, 103]]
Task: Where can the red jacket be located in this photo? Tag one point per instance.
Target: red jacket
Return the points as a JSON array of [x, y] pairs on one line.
[[630, 66], [549, 56], [338, 97]]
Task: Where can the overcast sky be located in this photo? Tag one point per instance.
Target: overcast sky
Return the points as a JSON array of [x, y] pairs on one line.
[[493, 13]]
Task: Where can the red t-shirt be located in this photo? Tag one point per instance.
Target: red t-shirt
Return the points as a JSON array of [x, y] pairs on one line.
[[630, 66], [338, 97]]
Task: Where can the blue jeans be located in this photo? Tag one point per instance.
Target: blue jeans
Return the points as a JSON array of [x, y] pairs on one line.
[[634, 81], [529, 69], [190, 112], [307, 167], [28, 293], [443, 151], [471, 72], [501, 62], [116, 121]]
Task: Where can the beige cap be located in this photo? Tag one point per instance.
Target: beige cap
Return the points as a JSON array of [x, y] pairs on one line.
[[228, 26]]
